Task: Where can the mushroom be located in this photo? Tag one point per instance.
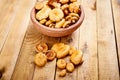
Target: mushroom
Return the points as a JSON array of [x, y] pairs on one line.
[[61, 49], [70, 67], [50, 54], [61, 63], [43, 47], [76, 57], [62, 73], [40, 59]]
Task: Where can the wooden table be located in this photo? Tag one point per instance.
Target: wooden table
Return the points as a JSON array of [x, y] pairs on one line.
[[98, 38]]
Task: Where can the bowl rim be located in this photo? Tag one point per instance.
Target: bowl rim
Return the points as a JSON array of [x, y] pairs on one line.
[[82, 15]]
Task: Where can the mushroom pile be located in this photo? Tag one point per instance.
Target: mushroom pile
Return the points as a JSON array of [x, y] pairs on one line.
[[58, 13], [59, 51]]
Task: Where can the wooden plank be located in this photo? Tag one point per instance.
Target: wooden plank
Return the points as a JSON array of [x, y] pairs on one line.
[[116, 14], [7, 14], [71, 40], [32, 38], [107, 55], [88, 43], [24, 68], [14, 40], [48, 71]]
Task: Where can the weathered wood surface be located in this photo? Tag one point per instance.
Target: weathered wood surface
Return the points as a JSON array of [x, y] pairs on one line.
[[18, 27], [98, 38], [107, 52], [88, 43], [7, 15]]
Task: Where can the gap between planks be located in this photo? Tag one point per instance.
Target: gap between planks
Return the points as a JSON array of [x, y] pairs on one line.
[[115, 13]]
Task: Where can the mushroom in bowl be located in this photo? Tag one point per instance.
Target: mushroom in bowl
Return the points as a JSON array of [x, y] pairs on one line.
[[57, 19]]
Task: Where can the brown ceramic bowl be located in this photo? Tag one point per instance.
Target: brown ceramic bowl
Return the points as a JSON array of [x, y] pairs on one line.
[[53, 32]]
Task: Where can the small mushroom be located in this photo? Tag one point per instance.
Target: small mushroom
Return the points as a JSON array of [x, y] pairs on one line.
[[40, 59], [42, 21], [62, 73], [56, 14], [48, 22], [76, 57], [74, 19], [68, 17], [45, 47], [43, 13], [66, 24], [74, 15], [65, 6], [41, 47], [61, 49], [72, 50], [52, 25], [63, 1], [54, 4], [39, 5], [61, 63], [74, 7], [60, 24], [50, 54], [70, 67]]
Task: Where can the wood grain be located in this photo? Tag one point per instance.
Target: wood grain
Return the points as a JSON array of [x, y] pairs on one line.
[[98, 38], [15, 38], [88, 43], [48, 71], [107, 55], [116, 14], [7, 14], [24, 68]]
